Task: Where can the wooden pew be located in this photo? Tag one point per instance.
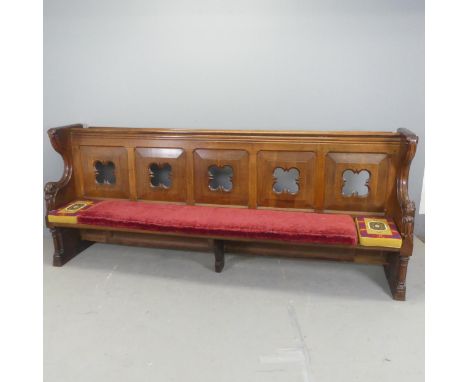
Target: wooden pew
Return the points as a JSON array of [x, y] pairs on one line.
[[313, 171]]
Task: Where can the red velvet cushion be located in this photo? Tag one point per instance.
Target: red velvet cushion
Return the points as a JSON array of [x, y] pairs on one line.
[[306, 227]]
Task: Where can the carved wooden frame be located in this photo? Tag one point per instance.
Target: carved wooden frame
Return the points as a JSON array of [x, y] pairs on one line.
[[303, 161], [118, 155], [176, 158], [338, 162], [238, 160], [403, 215]]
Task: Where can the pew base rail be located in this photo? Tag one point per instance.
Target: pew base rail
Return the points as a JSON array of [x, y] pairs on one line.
[[69, 241]]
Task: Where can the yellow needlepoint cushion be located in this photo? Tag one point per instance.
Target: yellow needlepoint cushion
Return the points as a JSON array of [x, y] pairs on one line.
[[378, 232], [69, 213]]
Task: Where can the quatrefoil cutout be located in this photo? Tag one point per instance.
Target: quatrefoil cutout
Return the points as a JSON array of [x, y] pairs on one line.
[[355, 183], [286, 180], [160, 175], [220, 178], [104, 172]]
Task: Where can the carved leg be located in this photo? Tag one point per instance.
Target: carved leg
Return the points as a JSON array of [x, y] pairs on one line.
[[68, 244], [219, 255], [395, 271]]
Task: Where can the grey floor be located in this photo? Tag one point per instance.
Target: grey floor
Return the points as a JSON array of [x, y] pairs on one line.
[[117, 313]]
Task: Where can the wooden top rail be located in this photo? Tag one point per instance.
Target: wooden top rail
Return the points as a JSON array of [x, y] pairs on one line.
[[180, 131], [243, 135]]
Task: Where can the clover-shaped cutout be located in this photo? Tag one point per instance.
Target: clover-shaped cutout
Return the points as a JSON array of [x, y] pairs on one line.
[[220, 178], [286, 181], [355, 183], [160, 175], [104, 172]]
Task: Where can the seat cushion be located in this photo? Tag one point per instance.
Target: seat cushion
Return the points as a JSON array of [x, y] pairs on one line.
[[305, 227]]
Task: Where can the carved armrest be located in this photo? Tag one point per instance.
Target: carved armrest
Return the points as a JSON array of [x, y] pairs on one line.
[[407, 206], [62, 191], [50, 192]]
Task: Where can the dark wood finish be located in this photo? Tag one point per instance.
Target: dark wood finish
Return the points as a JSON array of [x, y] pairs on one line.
[[403, 210], [67, 243], [219, 254], [320, 157], [395, 270], [62, 191], [143, 239], [335, 253]]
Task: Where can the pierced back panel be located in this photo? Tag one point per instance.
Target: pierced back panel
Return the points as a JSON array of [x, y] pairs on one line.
[[347, 171]]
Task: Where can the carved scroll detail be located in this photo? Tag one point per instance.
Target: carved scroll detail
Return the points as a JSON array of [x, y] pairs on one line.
[[50, 191], [406, 205], [54, 192]]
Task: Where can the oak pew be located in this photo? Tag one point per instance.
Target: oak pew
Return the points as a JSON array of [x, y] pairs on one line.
[[278, 193]]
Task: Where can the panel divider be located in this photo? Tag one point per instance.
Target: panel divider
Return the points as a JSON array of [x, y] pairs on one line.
[[132, 173], [253, 178]]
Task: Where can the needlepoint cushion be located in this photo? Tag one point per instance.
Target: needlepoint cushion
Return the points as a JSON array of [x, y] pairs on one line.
[[379, 232], [69, 213]]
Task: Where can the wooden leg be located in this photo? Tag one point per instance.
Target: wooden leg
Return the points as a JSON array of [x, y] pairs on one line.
[[219, 255], [395, 271], [68, 244]]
